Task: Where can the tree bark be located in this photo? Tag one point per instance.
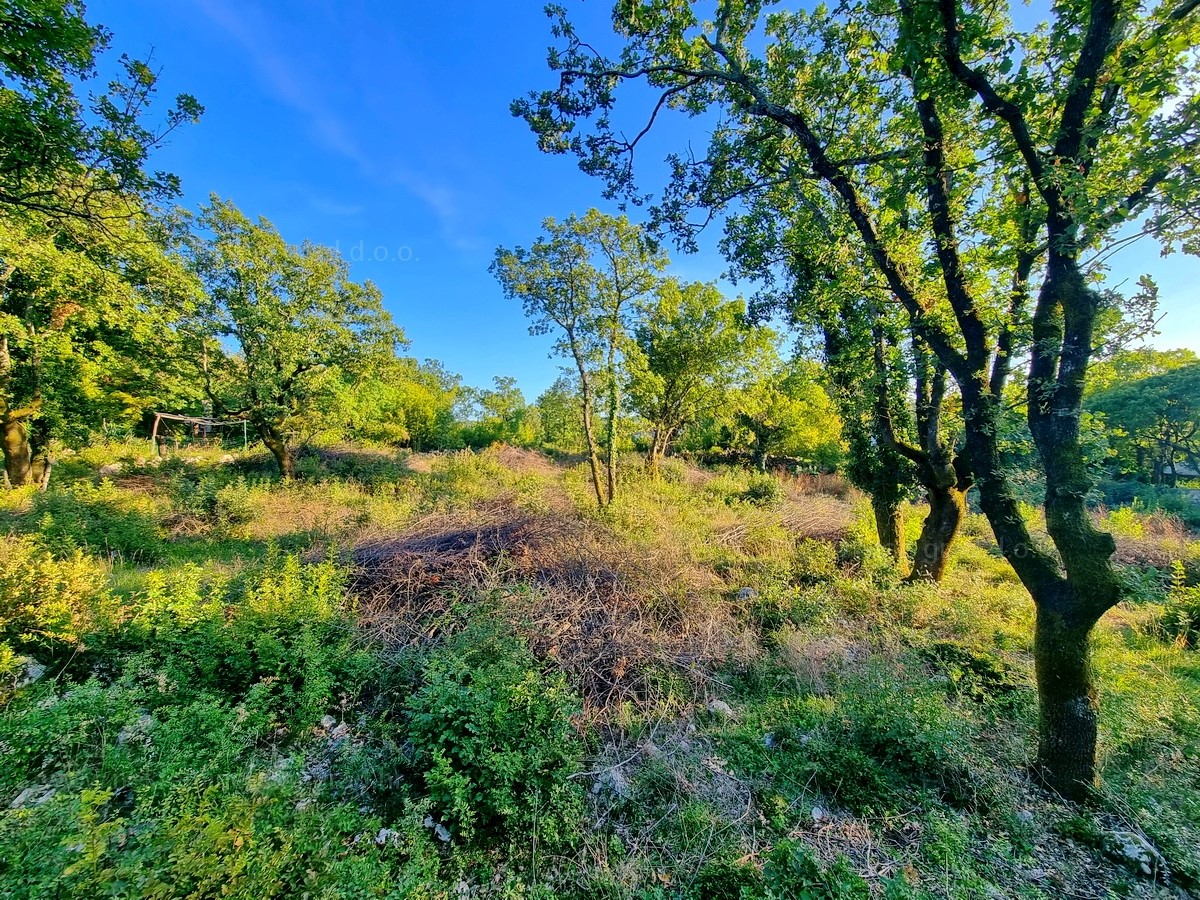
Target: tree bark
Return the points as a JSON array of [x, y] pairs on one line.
[[1067, 716], [610, 436], [889, 523], [18, 456], [947, 506], [589, 431], [658, 450], [279, 448]]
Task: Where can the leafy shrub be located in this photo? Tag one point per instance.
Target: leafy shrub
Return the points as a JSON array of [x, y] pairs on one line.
[[763, 490], [284, 649], [792, 872], [1124, 521], [47, 602], [235, 503], [1150, 498], [493, 742], [969, 673], [214, 497], [98, 519], [815, 562], [673, 470], [1180, 618]]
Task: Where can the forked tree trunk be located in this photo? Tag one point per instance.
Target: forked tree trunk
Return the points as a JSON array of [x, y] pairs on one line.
[[276, 443], [947, 506], [658, 450], [889, 523]]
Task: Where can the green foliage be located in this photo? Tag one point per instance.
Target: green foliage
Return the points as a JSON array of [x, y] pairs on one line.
[[494, 744], [1152, 422], [220, 497], [301, 326], [500, 416], [1180, 616], [49, 604], [970, 673], [691, 346], [560, 417], [792, 872], [400, 402], [763, 490], [788, 412], [99, 519], [815, 562], [89, 331], [582, 281], [51, 138]]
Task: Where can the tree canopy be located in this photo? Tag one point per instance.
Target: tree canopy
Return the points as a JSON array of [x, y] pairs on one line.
[[968, 156], [299, 325]]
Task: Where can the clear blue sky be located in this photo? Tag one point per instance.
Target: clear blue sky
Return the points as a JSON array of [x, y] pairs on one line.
[[383, 128]]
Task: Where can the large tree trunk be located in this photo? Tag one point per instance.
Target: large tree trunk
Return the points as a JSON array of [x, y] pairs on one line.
[[947, 506], [18, 456], [277, 444], [610, 434], [1072, 589], [1068, 708], [589, 431], [889, 523]]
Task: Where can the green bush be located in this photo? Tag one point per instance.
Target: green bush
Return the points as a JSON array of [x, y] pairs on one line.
[[283, 649], [814, 562], [216, 497], [493, 743], [98, 519], [673, 470], [49, 603], [1180, 618], [763, 490], [792, 872]]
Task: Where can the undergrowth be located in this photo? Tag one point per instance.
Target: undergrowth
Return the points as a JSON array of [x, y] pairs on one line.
[[449, 675]]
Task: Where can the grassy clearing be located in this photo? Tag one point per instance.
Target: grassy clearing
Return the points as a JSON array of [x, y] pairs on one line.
[[449, 675]]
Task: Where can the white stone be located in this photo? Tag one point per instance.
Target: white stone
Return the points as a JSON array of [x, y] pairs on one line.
[[720, 708]]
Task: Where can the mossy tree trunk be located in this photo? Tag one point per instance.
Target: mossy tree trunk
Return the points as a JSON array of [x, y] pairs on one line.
[[889, 525], [1068, 710], [18, 456], [276, 442]]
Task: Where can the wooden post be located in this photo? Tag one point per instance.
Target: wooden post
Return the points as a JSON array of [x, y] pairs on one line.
[[154, 433]]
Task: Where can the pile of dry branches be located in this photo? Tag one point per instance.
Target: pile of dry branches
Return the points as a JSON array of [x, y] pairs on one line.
[[609, 617]]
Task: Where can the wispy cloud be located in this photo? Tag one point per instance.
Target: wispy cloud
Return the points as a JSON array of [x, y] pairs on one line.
[[283, 79], [291, 84]]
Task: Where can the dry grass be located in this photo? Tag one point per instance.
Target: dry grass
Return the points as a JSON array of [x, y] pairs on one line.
[[609, 617], [525, 462], [1164, 539], [817, 516], [821, 483], [815, 660]]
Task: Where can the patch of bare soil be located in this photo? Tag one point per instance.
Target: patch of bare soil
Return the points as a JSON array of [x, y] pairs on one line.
[[610, 618]]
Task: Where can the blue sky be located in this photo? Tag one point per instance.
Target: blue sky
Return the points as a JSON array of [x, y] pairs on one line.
[[383, 129]]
